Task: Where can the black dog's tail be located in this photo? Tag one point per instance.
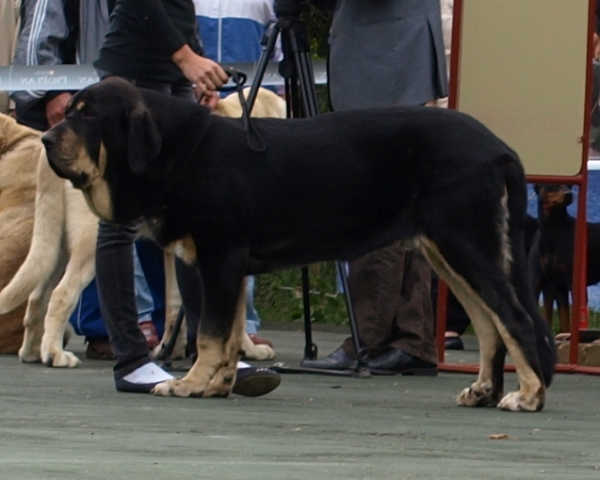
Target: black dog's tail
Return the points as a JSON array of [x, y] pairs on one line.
[[516, 187]]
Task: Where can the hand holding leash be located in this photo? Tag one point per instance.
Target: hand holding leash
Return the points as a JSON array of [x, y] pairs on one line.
[[204, 73]]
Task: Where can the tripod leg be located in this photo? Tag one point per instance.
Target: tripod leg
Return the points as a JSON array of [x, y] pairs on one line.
[[269, 41], [310, 349], [361, 353]]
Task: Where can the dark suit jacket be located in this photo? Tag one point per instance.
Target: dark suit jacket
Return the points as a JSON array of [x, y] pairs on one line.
[[386, 52]]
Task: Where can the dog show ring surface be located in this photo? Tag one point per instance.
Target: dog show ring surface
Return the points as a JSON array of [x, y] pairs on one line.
[[71, 424]]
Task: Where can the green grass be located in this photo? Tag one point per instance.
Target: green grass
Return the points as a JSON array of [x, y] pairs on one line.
[[278, 298]]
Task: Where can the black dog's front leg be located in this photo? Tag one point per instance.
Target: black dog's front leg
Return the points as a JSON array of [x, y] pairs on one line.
[[218, 292]]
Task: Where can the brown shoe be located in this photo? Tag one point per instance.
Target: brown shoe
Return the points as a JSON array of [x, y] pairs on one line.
[[98, 348], [256, 340]]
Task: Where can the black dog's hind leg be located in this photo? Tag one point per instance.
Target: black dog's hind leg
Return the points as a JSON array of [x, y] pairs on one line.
[[498, 317], [488, 389]]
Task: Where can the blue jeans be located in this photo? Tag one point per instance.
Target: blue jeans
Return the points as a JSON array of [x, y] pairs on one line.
[[143, 296], [252, 318]]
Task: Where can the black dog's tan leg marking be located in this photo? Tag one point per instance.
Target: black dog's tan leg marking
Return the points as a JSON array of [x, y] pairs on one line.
[[185, 249], [490, 329], [172, 307], [223, 381]]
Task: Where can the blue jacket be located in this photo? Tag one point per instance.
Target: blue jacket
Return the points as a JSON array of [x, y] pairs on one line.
[[56, 32], [231, 30]]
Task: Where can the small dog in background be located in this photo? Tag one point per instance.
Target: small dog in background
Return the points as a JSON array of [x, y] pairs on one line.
[[551, 257]]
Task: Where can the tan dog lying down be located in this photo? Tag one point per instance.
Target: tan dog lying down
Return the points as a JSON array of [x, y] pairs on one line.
[[20, 149], [60, 263]]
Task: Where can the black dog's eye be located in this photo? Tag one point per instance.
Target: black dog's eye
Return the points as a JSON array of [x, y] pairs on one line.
[[88, 114]]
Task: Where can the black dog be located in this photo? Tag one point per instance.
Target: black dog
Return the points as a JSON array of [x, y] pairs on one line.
[[551, 260], [326, 188]]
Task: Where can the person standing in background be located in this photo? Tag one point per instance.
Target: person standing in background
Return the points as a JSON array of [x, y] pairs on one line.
[[154, 44], [389, 52], [10, 16]]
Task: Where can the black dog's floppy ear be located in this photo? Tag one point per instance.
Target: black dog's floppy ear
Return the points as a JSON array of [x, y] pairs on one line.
[[144, 141]]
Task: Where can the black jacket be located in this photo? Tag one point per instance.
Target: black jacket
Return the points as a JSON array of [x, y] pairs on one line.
[[143, 36]]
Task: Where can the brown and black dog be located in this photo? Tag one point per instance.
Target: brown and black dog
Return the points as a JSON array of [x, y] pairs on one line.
[[551, 258], [331, 187]]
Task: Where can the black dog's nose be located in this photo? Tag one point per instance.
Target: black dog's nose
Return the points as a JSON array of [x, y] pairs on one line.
[[49, 139]]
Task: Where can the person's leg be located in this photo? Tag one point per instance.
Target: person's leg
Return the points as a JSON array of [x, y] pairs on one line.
[[144, 302], [391, 297], [252, 317], [374, 282], [133, 370], [414, 321]]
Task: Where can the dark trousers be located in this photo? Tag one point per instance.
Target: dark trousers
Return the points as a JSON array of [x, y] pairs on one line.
[[391, 295], [115, 280]]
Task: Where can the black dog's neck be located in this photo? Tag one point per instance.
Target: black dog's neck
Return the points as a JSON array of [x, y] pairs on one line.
[[173, 116]]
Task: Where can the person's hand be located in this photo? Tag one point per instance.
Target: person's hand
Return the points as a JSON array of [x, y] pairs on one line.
[[55, 108], [204, 73], [210, 100]]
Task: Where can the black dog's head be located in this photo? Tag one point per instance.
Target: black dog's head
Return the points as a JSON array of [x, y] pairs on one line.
[[553, 197], [106, 119], [113, 134]]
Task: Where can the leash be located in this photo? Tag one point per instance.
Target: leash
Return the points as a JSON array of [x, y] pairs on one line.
[[239, 79]]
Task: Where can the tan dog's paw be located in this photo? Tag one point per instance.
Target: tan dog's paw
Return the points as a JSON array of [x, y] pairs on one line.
[[177, 387], [53, 355], [259, 352], [61, 359], [256, 352], [27, 355]]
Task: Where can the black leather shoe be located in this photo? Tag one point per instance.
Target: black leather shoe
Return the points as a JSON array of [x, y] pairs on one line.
[[254, 382], [454, 343], [394, 361], [338, 360]]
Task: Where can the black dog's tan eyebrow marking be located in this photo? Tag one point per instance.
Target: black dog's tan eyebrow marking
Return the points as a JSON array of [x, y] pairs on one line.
[[80, 106], [71, 105]]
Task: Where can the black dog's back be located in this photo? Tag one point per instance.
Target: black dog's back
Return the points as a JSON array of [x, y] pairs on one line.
[[375, 175]]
